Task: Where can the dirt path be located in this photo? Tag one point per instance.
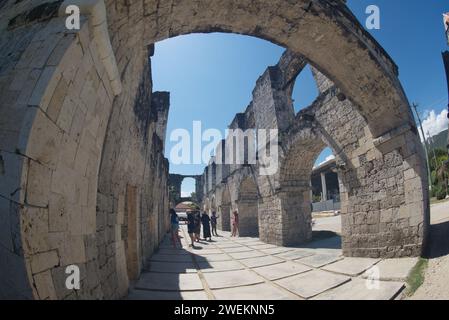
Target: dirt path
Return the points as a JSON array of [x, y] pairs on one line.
[[436, 282]]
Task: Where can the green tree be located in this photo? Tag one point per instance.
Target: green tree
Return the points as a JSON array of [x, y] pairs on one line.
[[437, 157]]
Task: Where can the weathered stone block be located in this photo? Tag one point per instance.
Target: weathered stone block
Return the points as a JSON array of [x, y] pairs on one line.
[[44, 261]]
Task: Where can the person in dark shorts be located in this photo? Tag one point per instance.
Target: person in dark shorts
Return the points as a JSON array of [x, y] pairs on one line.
[[205, 220], [191, 226], [213, 223]]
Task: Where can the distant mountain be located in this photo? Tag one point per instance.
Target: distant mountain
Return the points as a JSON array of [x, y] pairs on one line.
[[439, 140]]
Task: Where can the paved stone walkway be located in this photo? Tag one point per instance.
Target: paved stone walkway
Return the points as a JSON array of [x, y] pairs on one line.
[[246, 268]]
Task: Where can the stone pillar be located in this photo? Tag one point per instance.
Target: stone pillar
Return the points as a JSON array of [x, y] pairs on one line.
[[224, 220], [273, 108], [199, 188], [285, 215], [323, 186]]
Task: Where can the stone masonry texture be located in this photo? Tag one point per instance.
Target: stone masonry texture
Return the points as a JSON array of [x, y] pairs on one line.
[[83, 178]]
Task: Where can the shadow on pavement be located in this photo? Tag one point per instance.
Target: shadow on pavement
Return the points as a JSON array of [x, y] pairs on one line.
[[168, 274], [323, 239]]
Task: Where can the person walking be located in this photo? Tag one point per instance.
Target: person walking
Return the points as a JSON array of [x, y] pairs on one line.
[[175, 239], [191, 227], [235, 224], [197, 226], [205, 220], [213, 222]]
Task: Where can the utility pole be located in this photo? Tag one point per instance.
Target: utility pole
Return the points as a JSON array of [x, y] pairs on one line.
[[415, 107]]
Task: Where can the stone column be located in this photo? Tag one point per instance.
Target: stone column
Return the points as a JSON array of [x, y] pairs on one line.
[[323, 186], [224, 220]]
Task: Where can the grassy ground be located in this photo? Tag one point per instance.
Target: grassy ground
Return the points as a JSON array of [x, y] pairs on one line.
[[416, 277]]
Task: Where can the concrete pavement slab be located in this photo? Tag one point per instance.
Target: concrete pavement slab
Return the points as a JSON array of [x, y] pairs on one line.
[[166, 295], [395, 269], [262, 291], [318, 260], [359, 289], [218, 266], [169, 281], [282, 270], [262, 246], [173, 251], [205, 252], [294, 254], [312, 283], [261, 261], [351, 266], [172, 267], [276, 250], [246, 255], [170, 258], [212, 257], [239, 249], [228, 279]]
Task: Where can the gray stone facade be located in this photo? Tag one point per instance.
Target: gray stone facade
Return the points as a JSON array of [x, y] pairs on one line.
[[384, 199]]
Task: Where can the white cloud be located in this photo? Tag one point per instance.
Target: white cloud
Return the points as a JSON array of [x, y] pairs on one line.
[[434, 123], [328, 158]]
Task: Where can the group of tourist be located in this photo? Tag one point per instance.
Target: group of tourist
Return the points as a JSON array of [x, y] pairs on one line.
[[194, 222]]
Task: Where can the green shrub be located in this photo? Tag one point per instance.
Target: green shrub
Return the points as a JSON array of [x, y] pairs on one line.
[[440, 193]]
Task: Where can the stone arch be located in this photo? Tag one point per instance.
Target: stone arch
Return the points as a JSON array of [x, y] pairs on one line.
[[296, 164], [247, 207], [295, 190], [351, 60], [66, 111]]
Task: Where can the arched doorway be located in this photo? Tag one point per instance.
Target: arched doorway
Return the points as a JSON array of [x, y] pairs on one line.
[[247, 205], [326, 201], [224, 220]]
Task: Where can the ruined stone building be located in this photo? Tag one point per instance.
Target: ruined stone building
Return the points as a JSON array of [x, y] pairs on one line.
[[83, 177]]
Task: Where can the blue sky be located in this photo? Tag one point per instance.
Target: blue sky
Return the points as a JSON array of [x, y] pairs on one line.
[[211, 76]]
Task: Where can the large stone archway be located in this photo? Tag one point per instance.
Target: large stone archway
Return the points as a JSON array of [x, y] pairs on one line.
[[247, 207], [295, 174], [224, 220], [66, 130]]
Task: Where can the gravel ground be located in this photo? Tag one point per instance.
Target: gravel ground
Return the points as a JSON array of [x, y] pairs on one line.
[[436, 281]]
